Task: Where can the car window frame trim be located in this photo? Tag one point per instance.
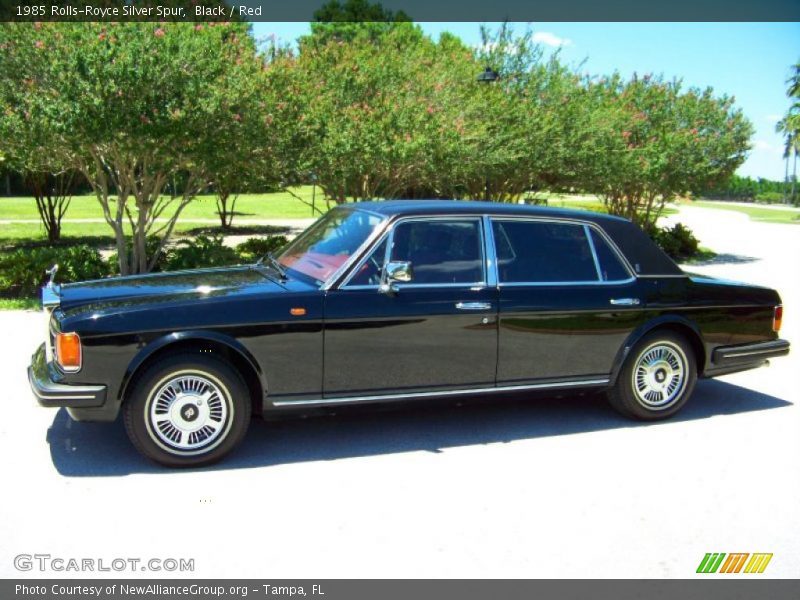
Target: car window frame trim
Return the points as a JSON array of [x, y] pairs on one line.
[[363, 249], [388, 234], [340, 279], [578, 222]]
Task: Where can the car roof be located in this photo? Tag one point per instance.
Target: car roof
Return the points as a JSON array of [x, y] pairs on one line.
[[391, 208]]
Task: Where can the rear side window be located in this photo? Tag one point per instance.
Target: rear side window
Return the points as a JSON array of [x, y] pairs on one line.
[[542, 252], [611, 268]]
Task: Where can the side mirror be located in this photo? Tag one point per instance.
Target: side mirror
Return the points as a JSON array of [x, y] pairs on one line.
[[395, 272]]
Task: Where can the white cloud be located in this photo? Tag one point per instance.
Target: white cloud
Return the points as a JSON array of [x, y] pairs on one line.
[[550, 39], [767, 148]]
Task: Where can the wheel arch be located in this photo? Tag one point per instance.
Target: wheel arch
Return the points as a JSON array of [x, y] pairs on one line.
[[674, 323], [206, 342]]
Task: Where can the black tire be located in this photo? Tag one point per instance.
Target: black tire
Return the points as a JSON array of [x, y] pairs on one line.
[[187, 410], [644, 387]]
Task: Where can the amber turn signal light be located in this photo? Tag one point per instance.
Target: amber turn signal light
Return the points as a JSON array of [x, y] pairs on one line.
[[68, 351], [777, 318]]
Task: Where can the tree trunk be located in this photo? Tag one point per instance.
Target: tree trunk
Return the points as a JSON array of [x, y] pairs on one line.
[[786, 199], [225, 213], [52, 193]]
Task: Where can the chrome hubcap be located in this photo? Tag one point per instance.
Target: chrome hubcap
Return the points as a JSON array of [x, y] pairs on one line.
[[188, 412], [659, 376]]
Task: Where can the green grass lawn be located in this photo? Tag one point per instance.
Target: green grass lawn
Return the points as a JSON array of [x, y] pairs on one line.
[[279, 205], [756, 213], [249, 208], [19, 304], [592, 203]]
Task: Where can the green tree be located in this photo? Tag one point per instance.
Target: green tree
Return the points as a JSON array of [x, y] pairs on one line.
[[368, 108], [45, 174], [132, 107], [654, 142], [344, 21], [263, 148], [531, 118]]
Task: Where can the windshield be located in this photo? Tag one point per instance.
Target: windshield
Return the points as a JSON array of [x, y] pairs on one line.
[[321, 249]]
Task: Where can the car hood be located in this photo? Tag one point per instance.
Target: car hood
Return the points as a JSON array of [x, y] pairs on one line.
[[165, 287]]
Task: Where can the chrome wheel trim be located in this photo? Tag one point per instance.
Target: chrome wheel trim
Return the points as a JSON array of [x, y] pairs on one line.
[[659, 375], [188, 412]]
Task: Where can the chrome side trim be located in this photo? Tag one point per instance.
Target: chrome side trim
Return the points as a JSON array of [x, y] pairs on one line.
[[587, 232], [473, 305], [752, 352], [625, 301], [564, 283], [490, 253], [61, 396], [386, 397]]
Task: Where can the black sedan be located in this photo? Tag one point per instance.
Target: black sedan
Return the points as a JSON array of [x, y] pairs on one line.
[[391, 302]]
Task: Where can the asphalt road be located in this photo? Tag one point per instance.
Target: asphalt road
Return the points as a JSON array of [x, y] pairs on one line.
[[544, 488]]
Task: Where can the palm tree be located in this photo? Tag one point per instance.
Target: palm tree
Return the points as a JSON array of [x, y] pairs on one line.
[[789, 126]]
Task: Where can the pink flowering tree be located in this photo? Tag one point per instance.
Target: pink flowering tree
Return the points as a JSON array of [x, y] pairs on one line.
[[145, 112], [652, 141]]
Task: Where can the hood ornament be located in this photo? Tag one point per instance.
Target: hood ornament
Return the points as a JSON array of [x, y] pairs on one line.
[[52, 272]]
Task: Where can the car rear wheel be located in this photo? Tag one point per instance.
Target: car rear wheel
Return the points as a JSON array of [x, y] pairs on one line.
[[187, 410], [657, 378]]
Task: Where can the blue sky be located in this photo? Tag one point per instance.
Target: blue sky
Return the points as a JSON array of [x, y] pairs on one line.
[[749, 61]]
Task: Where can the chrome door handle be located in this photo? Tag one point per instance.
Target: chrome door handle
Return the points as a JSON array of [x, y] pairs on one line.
[[473, 305], [624, 301]]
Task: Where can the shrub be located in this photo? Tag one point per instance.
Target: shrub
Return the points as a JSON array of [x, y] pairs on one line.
[[203, 251], [22, 272], [769, 197], [678, 242], [256, 247]]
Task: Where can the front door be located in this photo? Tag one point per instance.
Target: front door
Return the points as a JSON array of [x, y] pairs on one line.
[[437, 332]]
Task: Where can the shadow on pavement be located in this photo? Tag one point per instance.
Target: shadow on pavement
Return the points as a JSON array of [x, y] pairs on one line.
[[102, 449]]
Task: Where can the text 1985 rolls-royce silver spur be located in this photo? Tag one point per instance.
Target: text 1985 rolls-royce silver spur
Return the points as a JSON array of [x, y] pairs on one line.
[[394, 301]]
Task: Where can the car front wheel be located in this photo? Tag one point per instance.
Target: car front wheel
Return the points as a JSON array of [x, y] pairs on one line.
[[187, 410], [657, 378]]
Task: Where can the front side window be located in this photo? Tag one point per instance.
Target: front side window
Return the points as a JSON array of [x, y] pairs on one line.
[[543, 252], [440, 251], [370, 270], [324, 247]]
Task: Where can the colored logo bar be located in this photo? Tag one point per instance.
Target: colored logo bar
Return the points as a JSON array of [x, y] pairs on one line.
[[714, 562]]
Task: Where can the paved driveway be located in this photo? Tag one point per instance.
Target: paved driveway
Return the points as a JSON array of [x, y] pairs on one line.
[[548, 488]]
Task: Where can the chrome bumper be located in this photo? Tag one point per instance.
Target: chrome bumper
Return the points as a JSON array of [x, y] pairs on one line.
[[50, 393], [725, 356]]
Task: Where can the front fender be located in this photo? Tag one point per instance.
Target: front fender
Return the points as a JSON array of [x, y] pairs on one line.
[[181, 337]]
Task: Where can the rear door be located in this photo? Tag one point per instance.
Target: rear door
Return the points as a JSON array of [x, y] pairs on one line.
[[436, 333], [568, 301]]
